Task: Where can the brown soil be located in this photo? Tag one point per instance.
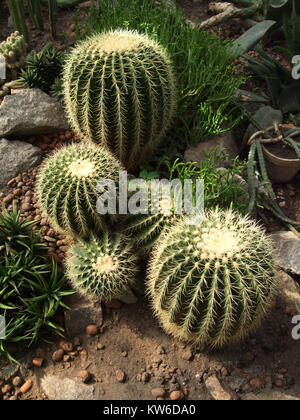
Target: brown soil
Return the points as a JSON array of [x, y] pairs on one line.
[[283, 150], [133, 342]]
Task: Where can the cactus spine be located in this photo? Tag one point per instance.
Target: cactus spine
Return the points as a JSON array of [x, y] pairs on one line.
[[146, 229], [213, 283], [102, 267], [66, 188], [119, 92]]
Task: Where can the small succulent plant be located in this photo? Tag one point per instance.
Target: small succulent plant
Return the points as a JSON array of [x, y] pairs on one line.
[[13, 49], [103, 266], [213, 283], [67, 188], [119, 92]]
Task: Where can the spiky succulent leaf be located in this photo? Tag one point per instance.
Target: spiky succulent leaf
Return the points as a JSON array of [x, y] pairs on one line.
[[67, 185], [119, 92], [103, 266], [212, 284]]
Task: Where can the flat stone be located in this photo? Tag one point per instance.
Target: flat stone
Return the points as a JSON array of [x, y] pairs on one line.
[[30, 112], [83, 312], [66, 389], [289, 291], [197, 153], [16, 157], [287, 246], [271, 395], [216, 390]]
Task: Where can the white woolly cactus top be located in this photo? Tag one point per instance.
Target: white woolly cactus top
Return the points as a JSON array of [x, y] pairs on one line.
[[117, 41]]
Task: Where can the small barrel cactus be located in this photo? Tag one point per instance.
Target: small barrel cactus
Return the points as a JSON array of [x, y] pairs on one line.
[[212, 284], [13, 49], [67, 188], [119, 92], [103, 266]]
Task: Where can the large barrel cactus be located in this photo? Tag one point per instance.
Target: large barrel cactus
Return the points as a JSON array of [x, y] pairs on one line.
[[119, 92], [67, 188], [212, 284], [103, 266]]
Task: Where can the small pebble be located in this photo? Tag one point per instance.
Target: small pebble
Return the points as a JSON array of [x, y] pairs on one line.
[[158, 392], [27, 386], [17, 381], [58, 355], [120, 375], [176, 395], [91, 330], [38, 361], [85, 375]]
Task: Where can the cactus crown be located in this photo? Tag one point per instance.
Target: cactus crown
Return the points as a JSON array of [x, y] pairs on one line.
[[213, 283], [67, 184], [102, 266], [119, 92]]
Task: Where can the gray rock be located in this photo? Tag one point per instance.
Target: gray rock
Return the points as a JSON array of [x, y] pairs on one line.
[[15, 157], [66, 389], [265, 117], [289, 291], [30, 112], [83, 312], [216, 390], [287, 246], [197, 153]]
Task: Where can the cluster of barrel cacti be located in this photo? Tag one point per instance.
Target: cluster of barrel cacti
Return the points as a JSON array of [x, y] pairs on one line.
[[211, 283], [13, 50]]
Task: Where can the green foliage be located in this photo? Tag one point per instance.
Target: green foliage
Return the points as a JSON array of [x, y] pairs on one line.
[[212, 284], [34, 8], [31, 289], [68, 184], [17, 12], [119, 92], [103, 266], [206, 79], [57, 90], [222, 188], [42, 69], [284, 89]]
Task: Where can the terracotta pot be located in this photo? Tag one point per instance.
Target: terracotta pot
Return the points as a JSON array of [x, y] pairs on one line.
[[280, 170]]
